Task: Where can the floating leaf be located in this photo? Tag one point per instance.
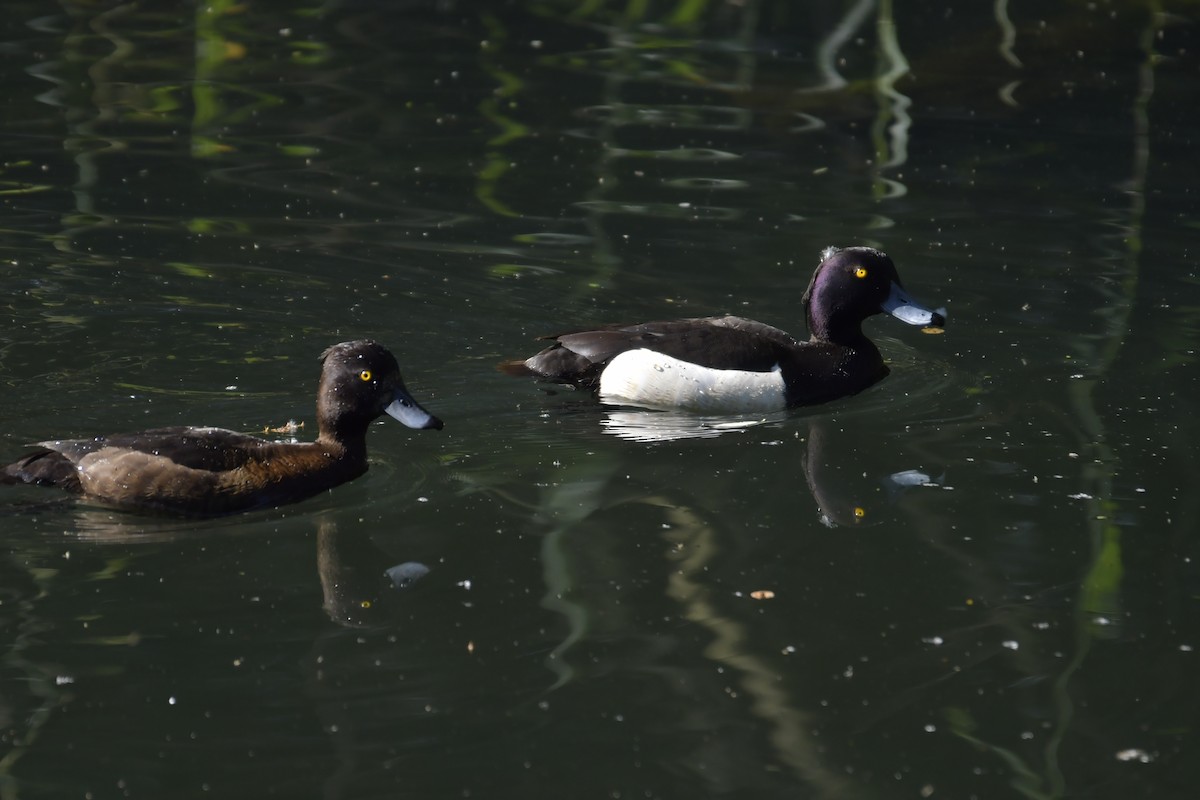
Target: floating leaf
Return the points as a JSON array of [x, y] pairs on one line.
[[299, 150]]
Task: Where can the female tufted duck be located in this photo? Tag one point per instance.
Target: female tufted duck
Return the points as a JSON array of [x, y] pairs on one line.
[[735, 365], [210, 471]]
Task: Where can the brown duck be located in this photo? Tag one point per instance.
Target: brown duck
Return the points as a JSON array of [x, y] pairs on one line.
[[210, 471]]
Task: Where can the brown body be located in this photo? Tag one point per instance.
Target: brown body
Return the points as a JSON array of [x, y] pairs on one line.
[[211, 471]]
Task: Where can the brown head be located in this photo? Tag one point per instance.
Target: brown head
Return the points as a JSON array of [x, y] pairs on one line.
[[361, 381]]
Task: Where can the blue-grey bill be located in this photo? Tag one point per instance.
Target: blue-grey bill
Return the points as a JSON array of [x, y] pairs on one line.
[[905, 309], [405, 409], [405, 575]]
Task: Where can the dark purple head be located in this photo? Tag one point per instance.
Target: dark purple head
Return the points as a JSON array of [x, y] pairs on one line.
[[854, 283]]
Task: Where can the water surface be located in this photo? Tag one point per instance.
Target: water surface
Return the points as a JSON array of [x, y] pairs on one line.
[[976, 579]]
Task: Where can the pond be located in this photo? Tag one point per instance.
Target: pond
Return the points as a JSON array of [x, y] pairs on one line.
[[978, 578]]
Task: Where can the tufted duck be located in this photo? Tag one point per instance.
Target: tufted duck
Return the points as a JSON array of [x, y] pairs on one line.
[[210, 471], [735, 365]]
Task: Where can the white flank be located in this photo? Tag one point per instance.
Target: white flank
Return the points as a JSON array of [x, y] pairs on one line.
[[653, 380]]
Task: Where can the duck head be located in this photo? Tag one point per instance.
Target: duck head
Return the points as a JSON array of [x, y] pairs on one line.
[[360, 381], [854, 283]]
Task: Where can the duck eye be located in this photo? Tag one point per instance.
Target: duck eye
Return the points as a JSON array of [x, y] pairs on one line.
[[860, 272], [859, 512], [365, 375]]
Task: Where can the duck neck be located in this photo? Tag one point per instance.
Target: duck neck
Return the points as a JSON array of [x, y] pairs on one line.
[[343, 436], [343, 447], [830, 324]]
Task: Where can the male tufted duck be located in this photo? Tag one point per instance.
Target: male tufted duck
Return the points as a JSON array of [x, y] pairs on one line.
[[210, 471], [735, 365]]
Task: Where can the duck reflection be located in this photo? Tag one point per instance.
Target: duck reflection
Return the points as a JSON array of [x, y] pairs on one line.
[[359, 589], [847, 494], [640, 425], [361, 584]]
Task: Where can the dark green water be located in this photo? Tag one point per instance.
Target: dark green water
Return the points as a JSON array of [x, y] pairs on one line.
[[197, 201]]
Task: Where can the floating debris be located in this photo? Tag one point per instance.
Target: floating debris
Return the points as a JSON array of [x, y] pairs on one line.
[[1134, 754]]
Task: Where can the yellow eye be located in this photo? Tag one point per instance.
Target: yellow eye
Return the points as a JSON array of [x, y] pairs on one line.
[[365, 375], [860, 272], [859, 512]]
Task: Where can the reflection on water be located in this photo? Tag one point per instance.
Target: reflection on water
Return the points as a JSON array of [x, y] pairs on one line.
[[845, 492], [359, 580], [665, 426], [596, 522], [832, 463]]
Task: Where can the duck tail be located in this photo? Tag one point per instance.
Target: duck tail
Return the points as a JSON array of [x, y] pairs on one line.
[[42, 468], [516, 368]]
